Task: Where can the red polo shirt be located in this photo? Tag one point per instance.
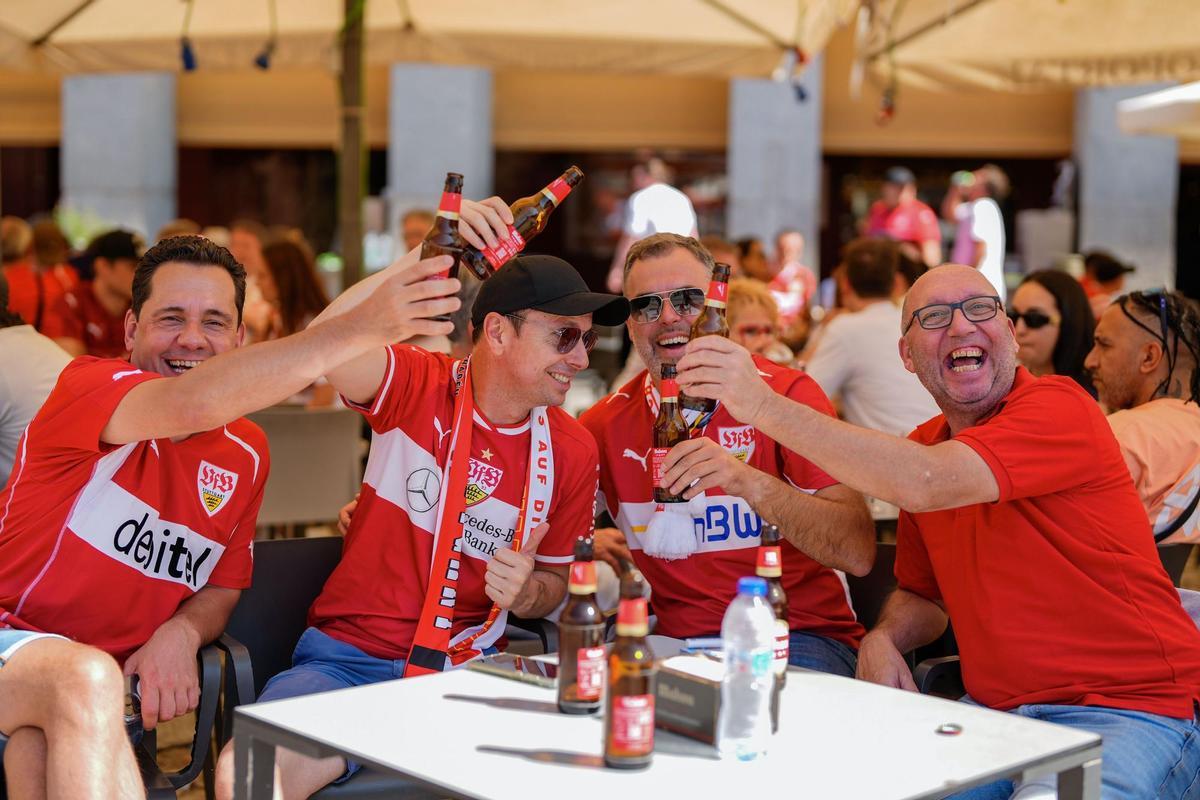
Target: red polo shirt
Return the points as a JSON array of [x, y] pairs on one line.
[[1055, 590]]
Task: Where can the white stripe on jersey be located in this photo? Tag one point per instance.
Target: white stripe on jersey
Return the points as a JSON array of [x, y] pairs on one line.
[[129, 531], [253, 453], [729, 523]]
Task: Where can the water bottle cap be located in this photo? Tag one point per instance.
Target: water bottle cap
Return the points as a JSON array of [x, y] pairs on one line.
[[755, 587]]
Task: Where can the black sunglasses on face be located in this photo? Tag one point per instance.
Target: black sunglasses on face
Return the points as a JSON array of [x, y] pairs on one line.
[[565, 338], [1033, 319], [687, 302]]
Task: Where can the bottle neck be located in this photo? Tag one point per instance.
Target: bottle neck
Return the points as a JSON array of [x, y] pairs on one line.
[[557, 191], [450, 205], [583, 578], [770, 563], [718, 294], [632, 619]]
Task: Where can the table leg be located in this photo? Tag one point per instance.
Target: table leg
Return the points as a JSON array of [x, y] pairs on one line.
[[1081, 782], [253, 768]]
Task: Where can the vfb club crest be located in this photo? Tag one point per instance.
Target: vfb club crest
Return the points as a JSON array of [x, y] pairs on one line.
[[215, 485], [738, 441], [482, 480]]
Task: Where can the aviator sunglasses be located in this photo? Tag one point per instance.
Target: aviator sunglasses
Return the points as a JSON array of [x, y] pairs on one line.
[[565, 338], [687, 302]]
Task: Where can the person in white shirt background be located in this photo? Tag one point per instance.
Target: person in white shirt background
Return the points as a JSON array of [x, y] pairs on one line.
[[972, 204], [654, 207]]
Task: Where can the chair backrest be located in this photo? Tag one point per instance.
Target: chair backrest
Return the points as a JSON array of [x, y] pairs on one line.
[[1174, 559], [868, 592], [1178, 519], [273, 612], [316, 462]]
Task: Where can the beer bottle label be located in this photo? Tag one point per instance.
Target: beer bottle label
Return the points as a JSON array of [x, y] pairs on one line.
[[583, 577], [670, 388], [633, 723], [557, 191], [450, 205], [718, 292], [505, 250], [769, 562], [782, 648], [656, 465], [589, 672]]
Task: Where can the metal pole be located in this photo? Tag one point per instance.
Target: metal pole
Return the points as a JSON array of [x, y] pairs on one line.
[[352, 162]]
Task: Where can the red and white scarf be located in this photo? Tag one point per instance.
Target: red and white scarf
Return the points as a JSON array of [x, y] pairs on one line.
[[432, 649]]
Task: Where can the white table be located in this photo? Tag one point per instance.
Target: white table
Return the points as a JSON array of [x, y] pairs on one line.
[[472, 735]]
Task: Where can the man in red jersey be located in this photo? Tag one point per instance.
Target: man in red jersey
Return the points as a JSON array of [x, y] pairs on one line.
[[89, 319], [745, 476], [475, 491], [127, 521], [1020, 524], [898, 214]]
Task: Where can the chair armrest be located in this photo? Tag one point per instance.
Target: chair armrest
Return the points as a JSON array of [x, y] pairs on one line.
[[544, 629], [939, 676], [209, 663], [239, 683]]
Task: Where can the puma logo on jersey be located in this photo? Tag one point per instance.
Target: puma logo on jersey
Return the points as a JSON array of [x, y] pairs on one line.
[[640, 459]]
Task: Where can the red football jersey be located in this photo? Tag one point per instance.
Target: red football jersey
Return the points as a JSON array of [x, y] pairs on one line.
[[373, 599], [908, 222], [691, 595], [77, 314], [1055, 590], [102, 543]]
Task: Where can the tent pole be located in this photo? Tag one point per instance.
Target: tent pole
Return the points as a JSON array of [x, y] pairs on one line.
[[920, 31], [351, 162]]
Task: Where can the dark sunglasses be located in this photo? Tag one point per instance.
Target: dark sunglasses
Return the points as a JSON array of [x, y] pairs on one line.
[[1033, 319], [565, 338], [687, 302]]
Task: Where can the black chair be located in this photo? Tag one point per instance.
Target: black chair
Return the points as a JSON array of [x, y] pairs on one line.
[[868, 593], [266, 624], [162, 785], [1174, 559]]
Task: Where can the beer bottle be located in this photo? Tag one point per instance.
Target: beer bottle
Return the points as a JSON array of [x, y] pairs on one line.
[[529, 218], [669, 430], [443, 239], [581, 638], [770, 568], [711, 322], [629, 704]]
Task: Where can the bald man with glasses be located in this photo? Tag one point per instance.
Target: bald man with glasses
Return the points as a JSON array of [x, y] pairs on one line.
[[744, 475], [1020, 524]]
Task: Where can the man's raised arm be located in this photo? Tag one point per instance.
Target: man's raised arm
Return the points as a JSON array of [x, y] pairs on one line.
[[232, 384], [480, 223]]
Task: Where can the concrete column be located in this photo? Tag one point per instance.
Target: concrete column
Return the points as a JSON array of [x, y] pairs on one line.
[[1127, 187], [774, 160], [118, 148], [439, 121]]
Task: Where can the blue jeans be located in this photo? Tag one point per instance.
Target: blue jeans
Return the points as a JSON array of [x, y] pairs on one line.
[[1145, 755], [819, 653], [321, 663]]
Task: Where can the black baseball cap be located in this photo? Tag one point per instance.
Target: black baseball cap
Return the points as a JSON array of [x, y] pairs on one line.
[[1106, 266], [901, 176], [116, 244], [545, 283]]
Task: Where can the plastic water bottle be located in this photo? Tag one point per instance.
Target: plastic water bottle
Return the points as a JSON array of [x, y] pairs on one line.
[[748, 639]]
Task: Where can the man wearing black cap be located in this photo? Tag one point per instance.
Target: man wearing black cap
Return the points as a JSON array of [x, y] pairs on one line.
[[899, 215], [476, 488], [1103, 279], [89, 319]]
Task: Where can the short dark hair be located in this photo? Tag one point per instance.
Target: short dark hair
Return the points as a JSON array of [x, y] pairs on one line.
[[7, 318], [663, 244], [1182, 318], [1077, 328], [871, 267], [187, 250]]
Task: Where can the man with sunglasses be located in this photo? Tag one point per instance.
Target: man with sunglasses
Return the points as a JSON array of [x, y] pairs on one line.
[[1020, 524], [1143, 363], [476, 488], [746, 477]]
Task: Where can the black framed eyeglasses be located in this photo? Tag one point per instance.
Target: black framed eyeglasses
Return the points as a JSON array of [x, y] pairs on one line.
[[939, 315], [565, 338], [1034, 319], [687, 302]]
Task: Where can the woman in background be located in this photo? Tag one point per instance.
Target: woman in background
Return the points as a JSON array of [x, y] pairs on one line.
[[754, 320], [1054, 325]]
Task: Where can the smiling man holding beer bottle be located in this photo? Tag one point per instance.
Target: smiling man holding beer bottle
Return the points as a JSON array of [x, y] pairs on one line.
[[744, 475], [476, 488]]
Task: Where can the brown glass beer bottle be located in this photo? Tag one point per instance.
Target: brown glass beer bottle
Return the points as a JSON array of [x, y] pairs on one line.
[[770, 568], [669, 430], [443, 238], [711, 322], [629, 705], [529, 218], [581, 638]]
